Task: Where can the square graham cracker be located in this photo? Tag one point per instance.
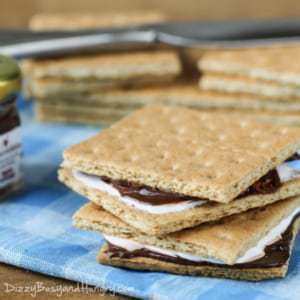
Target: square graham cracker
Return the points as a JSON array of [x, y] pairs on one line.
[[59, 88], [73, 114], [262, 89], [185, 151], [278, 64], [224, 240], [138, 66]]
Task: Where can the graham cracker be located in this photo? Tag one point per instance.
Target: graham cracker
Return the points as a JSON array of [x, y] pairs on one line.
[[73, 21], [245, 85], [53, 88], [86, 109], [181, 93], [224, 240], [245, 102], [223, 158], [156, 224], [77, 115], [121, 67], [274, 64]]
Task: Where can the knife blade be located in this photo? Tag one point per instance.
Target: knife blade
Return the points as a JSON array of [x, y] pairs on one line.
[[213, 34]]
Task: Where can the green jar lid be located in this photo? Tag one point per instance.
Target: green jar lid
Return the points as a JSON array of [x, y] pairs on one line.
[[10, 78]]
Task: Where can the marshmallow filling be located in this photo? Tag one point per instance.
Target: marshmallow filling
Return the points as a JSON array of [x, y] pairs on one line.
[[273, 250], [154, 201]]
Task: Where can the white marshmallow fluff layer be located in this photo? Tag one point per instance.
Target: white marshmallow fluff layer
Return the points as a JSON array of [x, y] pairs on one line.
[[96, 183]]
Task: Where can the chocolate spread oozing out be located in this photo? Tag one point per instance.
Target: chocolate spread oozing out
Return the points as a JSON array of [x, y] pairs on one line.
[[265, 185], [295, 156], [146, 193], [276, 254]]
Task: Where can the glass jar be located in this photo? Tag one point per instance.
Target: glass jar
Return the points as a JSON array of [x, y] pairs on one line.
[[10, 127]]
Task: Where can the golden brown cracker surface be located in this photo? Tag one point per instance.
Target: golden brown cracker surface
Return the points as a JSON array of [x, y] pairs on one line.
[[186, 151]]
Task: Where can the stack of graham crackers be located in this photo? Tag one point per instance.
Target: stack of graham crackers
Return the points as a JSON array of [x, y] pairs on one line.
[[97, 88], [178, 190], [102, 88], [260, 82]]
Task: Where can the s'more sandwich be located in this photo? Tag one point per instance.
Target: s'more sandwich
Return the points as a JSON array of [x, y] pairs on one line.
[[163, 169], [83, 73], [253, 245]]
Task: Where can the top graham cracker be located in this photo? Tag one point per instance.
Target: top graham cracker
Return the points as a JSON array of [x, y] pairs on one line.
[[135, 65], [185, 151], [275, 64]]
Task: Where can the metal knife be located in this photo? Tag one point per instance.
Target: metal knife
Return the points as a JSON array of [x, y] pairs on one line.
[[213, 34]]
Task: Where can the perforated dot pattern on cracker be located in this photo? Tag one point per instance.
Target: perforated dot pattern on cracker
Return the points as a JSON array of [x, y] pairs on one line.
[[186, 151]]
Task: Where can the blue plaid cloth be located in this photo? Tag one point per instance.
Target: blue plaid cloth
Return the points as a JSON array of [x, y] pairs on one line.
[[36, 233]]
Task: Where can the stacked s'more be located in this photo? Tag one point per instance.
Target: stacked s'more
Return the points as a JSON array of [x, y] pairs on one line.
[[188, 192], [97, 88], [260, 82]]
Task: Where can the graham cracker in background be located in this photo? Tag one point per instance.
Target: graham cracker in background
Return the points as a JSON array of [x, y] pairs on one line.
[[46, 86], [235, 84], [108, 69], [119, 103], [83, 76], [78, 114], [259, 81], [89, 20], [87, 74], [73, 21], [48, 89], [277, 64]]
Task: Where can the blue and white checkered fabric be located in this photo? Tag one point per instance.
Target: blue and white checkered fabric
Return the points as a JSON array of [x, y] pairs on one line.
[[36, 233]]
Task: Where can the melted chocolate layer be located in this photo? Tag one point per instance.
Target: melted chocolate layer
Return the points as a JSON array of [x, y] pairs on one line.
[[295, 156], [147, 194], [265, 185], [276, 254]]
